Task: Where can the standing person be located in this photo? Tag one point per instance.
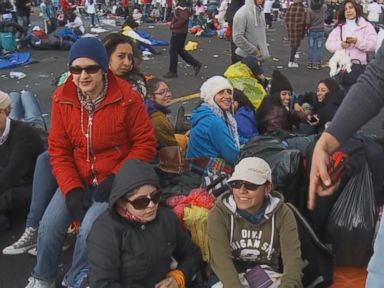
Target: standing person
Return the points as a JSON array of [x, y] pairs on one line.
[[90, 7], [315, 22], [179, 28], [295, 21], [49, 16], [229, 15], [125, 5], [342, 127], [23, 12], [374, 12], [169, 5], [20, 145], [98, 122], [249, 32], [251, 225], [268, 13]]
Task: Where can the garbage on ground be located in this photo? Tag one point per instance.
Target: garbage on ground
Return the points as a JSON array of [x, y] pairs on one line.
[[17, 75], [190, 46]]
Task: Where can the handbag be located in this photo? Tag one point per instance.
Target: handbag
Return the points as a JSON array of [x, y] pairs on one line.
[[170, 159]]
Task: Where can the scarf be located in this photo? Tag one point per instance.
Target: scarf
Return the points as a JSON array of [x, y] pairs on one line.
[[128, 216], [228, 119], [154, 107]]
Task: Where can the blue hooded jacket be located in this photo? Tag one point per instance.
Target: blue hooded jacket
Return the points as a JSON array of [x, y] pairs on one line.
[[210, 137], [246, 124]]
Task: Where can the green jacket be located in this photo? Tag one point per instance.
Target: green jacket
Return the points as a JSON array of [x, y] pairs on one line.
[[248, 244]]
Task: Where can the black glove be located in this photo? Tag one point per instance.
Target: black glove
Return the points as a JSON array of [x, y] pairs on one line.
[[75, 204], [103, 190]]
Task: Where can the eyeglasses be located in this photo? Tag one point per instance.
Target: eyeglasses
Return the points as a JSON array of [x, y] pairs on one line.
[[142, 202], [91, 69], [247, 185], [162, 92]]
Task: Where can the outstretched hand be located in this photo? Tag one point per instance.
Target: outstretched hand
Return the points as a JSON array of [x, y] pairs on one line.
[[320, 181]]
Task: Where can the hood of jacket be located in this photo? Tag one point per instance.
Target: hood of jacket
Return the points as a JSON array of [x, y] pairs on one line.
[[201, 112], [257, 12]]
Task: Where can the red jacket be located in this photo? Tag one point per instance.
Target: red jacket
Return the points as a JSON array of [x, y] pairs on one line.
[[125, 3], [180, 20], [121, 129]]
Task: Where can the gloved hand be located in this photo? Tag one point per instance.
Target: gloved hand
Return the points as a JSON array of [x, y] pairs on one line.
[[103, 190], [74, 201]]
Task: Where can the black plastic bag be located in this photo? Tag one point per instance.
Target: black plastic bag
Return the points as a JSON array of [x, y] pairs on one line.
[[352, 219]]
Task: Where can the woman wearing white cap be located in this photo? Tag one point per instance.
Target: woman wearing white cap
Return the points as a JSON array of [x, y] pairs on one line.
[[214, 129], [251, 226]]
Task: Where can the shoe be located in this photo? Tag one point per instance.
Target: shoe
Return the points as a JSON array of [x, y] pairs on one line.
[[309, 66], [34, 283], [197, 68], [4, 223], [26, 242], [316, 66], [293, 65], [170, 75]]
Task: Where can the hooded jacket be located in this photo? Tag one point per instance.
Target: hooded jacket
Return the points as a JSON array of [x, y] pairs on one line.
[[121, 130], [249, 30], [210, 137], [366, 40], [236, 244], [129, 254], [315, 17]]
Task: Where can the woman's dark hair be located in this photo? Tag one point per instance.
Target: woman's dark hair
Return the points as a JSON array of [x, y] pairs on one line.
[[331, 84], [153, 84], [198, 3], [265, 107], [110, 43], [316, 4], [243, 100], [341, 17]]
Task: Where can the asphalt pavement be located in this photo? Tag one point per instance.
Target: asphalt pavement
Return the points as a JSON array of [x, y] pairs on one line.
[[213, 53]]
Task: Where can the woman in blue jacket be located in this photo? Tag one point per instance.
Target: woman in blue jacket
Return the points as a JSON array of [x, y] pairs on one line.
[[214, 130]]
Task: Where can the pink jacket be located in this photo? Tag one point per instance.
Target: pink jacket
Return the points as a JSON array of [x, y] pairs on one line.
[[366, 41]]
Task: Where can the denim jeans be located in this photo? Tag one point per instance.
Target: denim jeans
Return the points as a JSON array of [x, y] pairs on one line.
[[375, 277], [25, 107], [25, 21], [315, 42], [44, 187], [51, 236]]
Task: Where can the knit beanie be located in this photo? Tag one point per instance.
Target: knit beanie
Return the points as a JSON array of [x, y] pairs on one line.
[[211, 87], [132, 174], [253, 64], [5, 100], [279, 83], [89, 47]]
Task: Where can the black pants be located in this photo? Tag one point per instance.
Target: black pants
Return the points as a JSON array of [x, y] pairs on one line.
[[177, 48], [268, 19], [293, 53], [16, 197]]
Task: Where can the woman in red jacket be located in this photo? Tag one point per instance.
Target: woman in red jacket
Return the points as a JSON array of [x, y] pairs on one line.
[[98, 122]]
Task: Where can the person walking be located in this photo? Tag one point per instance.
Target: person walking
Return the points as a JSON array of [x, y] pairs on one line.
[[179, 28], [295, 21]]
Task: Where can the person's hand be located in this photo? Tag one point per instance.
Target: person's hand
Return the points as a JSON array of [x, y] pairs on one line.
[[74, 202], [168, 282], [297, 107], [353, 40], [344, 45], [103, 190], [319, 181]]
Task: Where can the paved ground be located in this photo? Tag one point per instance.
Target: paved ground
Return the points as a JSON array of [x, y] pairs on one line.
[[212, 52]]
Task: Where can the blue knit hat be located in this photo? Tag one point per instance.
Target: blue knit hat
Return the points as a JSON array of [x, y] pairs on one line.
[[89, 47]]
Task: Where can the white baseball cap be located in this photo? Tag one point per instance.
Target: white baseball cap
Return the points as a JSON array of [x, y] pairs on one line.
[[252, 169]]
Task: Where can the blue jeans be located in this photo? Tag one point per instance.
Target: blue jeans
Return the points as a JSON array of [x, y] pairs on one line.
[[315, 42], [44, 187], [25, 21], [51, 236], [25, 107], [375, 277]]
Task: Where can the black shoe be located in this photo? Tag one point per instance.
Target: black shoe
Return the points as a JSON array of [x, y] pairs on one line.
[[4, 223], [197, 68], [170, 75]]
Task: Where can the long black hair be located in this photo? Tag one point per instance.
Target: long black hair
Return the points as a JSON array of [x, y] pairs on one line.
[[243, 100]]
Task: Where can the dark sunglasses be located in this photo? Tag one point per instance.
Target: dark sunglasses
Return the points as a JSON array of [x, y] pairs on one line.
[[142, 202], [247, 185], [91, 69]]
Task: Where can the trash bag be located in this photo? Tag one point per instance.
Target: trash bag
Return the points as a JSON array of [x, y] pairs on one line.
[[352, 219]]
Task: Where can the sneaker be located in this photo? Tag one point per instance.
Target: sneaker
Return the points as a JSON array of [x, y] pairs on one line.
[[170, 75], [309, 66], [34, 283], [297, 55], [316, 66], [197, 68], [26, 242], [293, 65], [4, 223]]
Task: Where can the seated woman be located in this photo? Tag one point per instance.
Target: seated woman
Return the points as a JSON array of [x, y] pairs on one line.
[[245, 116], [274, 112], [251, 226], [214, 130], [133, 243], [75, 23], [124, 60]]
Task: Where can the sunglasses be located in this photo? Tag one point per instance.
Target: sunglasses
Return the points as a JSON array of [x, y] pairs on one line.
[[247, 185], [142, 202], [91, 69]]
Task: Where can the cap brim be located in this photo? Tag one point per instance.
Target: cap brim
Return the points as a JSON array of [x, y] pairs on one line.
[[253, 180]]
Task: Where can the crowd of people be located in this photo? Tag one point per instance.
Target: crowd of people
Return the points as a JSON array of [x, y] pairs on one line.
[[111, 167]]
